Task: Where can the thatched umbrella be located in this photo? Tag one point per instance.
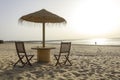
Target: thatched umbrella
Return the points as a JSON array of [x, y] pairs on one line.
[[43, 16]]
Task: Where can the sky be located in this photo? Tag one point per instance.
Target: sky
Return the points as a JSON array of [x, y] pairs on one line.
[[85, 19]]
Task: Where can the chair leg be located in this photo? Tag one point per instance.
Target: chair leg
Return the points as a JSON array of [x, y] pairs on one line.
[[28, 60], [20, 60], [23, 63], [67, 59], [57, 58]]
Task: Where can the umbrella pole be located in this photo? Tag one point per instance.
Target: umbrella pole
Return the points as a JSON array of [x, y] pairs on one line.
[[43, 34]]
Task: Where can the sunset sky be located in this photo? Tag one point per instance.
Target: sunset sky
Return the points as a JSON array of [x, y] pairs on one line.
[[85, 19]]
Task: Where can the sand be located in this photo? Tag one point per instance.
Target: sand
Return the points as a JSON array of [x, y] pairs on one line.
[[90, 62]]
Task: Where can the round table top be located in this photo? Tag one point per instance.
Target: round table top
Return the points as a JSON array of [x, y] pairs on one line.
[[42, 48]]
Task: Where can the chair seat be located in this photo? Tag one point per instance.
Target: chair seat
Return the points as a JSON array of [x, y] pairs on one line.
[[60, 55], [27, 55]]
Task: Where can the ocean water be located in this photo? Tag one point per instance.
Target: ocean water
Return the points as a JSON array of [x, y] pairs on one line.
[[98, 41], [94, 41]]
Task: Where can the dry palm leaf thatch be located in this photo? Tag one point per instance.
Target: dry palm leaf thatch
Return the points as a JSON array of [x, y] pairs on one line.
[[43, 16]]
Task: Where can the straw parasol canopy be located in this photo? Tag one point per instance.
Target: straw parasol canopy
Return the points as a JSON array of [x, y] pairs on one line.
[[43, 16]]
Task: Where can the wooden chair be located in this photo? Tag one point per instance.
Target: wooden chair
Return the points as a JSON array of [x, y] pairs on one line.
[[24, 58], [64, 53]]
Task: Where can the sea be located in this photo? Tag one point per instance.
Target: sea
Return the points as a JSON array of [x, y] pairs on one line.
[[93, 41]]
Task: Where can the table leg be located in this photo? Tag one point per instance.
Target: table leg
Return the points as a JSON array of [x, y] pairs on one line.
[[43, 55]]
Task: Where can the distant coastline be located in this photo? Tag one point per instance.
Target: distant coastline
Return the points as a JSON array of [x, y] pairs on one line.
[[83, 42], [99, 41]]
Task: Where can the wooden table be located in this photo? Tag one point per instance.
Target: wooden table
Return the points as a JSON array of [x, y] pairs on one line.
[[43, 53]]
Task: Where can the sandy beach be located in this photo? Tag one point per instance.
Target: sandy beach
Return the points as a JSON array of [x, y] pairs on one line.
[[90, 62]]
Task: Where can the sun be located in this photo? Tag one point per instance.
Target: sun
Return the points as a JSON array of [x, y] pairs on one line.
[[92, 29], [91, 25], [91, 18]]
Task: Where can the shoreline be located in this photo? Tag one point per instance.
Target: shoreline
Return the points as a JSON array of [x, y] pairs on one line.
[[38, 42]]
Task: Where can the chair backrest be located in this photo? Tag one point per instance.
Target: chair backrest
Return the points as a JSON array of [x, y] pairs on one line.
[[20, 47], [65, 47]]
